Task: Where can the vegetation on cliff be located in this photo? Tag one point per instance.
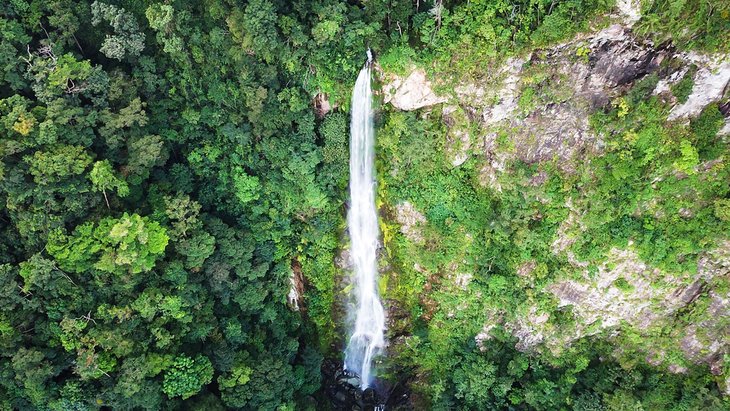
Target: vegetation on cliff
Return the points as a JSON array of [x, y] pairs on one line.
[[164, 177]]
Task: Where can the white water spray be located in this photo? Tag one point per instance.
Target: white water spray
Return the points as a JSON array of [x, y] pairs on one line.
[[367, 339]]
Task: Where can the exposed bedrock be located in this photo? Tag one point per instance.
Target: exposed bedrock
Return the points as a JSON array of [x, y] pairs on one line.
[[541, 102], [540, 105]]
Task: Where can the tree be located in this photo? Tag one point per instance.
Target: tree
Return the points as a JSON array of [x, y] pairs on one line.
[[187, 376], [246, 187], [102, 178], [33, 373], [183, 213], [12, 38], [130, 244], [127, 39], [143, 154], [64, 76], [230, 382], [474, 380], [160, 18], [197, 248], [264, 385], [256, 30], [59, 163]]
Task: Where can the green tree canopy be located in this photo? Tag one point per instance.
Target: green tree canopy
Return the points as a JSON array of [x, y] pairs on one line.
[[130, 244]]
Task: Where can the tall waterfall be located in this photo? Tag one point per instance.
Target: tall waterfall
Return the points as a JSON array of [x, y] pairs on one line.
[[367, 338]]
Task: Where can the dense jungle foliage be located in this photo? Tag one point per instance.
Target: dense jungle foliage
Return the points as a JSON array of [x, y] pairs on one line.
[[163, 174]]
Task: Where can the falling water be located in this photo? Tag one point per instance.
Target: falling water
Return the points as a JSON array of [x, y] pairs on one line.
[[367, 338]]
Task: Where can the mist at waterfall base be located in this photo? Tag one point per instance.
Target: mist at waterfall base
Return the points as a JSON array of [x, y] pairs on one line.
[[366, 316]]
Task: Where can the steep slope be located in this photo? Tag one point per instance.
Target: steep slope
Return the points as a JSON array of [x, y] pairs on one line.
[[572, 197]]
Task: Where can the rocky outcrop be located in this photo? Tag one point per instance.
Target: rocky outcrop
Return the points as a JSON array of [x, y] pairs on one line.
[[725, 130], [530, 329], [583, 75], [458, 138], [630, 11], [410, 221], [706, 341], [322, 105], [625, 289], [556, 127], [626, 292], [508, 93], [710, 84], [412, 92], [535, 108]]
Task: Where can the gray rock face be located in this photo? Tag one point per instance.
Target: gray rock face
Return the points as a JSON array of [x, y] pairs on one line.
[[458, 139], [710, 83], [508, 94], [322, 105], [559, 128], [501, 123], [412, 92], [624, 290], [410, 221], [619, 59], [725, 130], [591, 71], [530, 329], [630, 11]]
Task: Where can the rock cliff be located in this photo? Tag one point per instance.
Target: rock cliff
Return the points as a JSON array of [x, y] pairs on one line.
[[540, 104]]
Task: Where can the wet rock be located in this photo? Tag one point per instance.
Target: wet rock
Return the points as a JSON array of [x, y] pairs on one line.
[[690, 293], [618, 58], [343, 389], [296, 287], [343, 260]]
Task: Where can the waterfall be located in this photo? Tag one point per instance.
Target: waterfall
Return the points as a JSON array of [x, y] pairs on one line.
[[366, 338]]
